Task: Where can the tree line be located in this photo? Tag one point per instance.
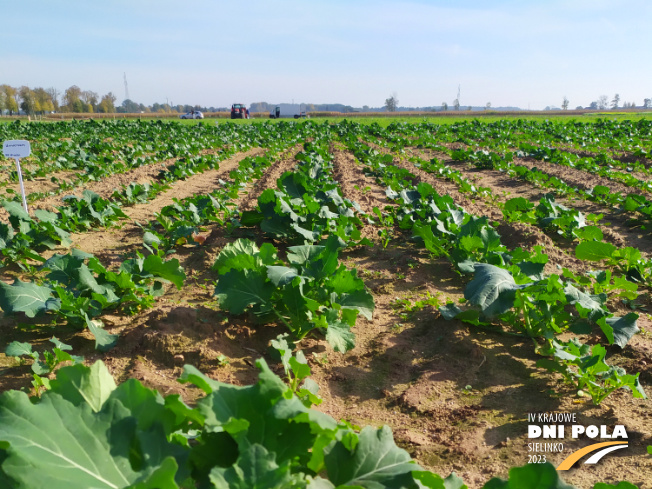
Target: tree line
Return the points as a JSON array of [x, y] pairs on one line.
[[46, 100], [35, 101]]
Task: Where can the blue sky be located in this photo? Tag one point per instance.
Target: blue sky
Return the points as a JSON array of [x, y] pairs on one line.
[[214, 52]]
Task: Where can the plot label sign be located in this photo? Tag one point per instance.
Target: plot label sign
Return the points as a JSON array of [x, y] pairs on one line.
[[16, 149]]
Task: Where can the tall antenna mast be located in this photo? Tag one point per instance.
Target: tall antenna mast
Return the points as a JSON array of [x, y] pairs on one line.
[[126, 88]]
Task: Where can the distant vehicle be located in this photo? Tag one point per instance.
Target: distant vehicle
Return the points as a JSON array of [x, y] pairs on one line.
[[239, 111], [193, 114], [287, 111]]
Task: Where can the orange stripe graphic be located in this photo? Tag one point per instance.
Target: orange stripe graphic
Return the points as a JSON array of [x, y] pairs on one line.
[[575, 456]]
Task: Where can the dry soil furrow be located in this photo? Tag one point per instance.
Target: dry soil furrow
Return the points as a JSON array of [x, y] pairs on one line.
[[358, 188], [98, 242], [268, 180]]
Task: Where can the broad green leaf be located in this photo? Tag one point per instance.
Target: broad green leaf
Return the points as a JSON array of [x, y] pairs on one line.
[[256, 468], [375, 461], [298, 308], [620, 485], [240, 255], [496, 483], [104, 341], [80, 384], [492, 288], [168, 270], [63, 268], [145, 404], [586, 301], [58, 445], [16, 210], [17, 349], [59, 344], [623, 328], [87, 281], [594, 250], [238, 289], [150, 238], [27, 297], [449, 311], [6, 235], [454, 482], [518, 204], [340, 336], [294, 184], [589, 233], [281, 276], [428, 480], [359, 300], [536, 476], [319, 483], [198, 379], [344, 281], [162, 477]]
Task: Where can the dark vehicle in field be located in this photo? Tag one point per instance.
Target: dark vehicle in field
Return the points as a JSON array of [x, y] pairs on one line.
[[239, 111]]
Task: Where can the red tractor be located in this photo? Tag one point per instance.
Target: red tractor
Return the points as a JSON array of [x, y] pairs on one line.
[[239, 111]]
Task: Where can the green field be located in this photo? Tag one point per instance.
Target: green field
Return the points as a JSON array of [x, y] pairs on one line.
[[348, 302]]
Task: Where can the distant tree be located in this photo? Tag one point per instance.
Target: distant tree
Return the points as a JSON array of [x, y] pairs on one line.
[[579, 107], [72, 99], [456, 104], [594, 105], [444, 106], [44, 100], [488, 106], [54, 97], [107, 104], [564, 104], [615, 101], [129, 106], [28, 100], [391, 104], [602, 102], [11, 105], [89, 98], [469, 108], [647, 103]]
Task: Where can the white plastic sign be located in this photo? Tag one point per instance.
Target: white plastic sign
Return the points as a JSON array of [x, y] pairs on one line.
[[16, 149]]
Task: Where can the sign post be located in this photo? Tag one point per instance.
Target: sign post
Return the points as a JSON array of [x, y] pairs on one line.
[[18, 149]]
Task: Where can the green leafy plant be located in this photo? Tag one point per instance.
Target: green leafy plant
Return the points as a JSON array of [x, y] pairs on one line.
[[310, 291], [88, 211], [307, 204], [585, 368], [24, 237], [261, 435], [297, 371], [79, 288], [51, 359]]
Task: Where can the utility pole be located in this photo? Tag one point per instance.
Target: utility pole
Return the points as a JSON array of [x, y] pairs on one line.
[[126, 88]]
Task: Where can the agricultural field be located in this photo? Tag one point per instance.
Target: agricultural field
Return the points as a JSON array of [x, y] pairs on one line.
[[252, 305]]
